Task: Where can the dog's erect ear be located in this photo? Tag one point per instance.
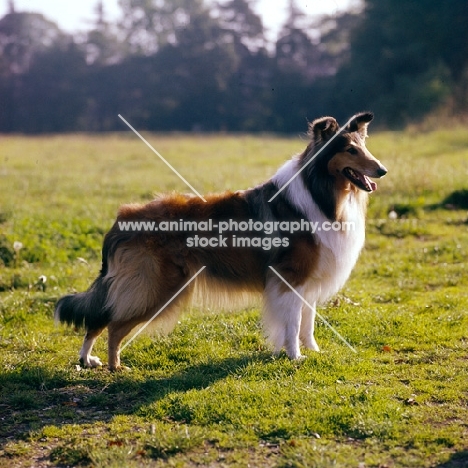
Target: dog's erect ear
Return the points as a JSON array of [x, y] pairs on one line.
[[360, 122], [321, 130]]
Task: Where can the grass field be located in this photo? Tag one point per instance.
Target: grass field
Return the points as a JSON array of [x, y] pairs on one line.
[[211, 394]]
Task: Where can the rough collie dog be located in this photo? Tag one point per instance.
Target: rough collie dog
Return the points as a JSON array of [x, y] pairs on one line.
[[143, 269]]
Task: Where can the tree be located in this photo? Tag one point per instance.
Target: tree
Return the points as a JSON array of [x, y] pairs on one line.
[[22, 37], [399, 68], [243, 25], [148, 25], [334, 45], [52, 97], [295, 51], [183, 84], [103, 45]]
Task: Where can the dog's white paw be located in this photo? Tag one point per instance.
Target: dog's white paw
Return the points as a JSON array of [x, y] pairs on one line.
[[301, 357], [90, 361], [294, 354], [312, 344]]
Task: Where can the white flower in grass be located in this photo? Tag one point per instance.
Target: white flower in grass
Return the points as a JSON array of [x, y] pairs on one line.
[[17, 246], [41, 283]]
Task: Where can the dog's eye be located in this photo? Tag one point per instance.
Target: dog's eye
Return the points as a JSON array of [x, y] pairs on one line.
[[352, 150]]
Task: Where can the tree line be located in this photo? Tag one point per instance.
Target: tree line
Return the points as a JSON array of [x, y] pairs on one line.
[[200, 65]]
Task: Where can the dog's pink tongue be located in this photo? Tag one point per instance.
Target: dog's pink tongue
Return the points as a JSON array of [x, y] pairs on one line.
[[370, 184]]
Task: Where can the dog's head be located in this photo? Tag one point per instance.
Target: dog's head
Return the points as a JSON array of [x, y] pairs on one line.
[[345, 151]]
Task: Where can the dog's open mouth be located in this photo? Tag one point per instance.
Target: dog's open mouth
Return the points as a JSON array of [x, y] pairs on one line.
[[359, 180]]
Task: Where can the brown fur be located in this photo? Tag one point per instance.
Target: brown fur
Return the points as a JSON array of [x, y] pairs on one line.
[[142, 271]]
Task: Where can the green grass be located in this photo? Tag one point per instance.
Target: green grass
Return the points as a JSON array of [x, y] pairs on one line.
[[211, 394]]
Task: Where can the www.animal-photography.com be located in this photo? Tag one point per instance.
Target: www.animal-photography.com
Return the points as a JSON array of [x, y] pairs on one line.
[[233, 234]]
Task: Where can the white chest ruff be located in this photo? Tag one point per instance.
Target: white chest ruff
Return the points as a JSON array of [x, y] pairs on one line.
[[339, 248], [339, 251]]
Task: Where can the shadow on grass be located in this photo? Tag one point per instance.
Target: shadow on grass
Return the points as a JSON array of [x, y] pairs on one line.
[[32, 397], [457, 460], [457, 200]]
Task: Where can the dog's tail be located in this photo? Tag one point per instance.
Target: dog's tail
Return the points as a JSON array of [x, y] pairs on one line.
[[89, 309], [85, 309]]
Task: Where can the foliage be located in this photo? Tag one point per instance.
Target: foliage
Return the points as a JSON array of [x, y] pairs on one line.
[[200, 65], [211, 394], [406, 59]]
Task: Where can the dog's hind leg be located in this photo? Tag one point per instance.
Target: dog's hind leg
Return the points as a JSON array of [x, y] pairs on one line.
[[90, 338], [307, 327], [165, 321], [117, 332], [282, 317]]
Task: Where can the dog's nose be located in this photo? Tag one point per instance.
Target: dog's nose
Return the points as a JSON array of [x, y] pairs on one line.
[[381, 171]]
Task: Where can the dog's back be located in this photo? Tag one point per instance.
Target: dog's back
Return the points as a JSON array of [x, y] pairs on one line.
[[147, 272]]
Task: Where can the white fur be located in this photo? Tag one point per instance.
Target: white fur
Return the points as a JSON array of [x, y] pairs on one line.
[[338, 253], [307, 327], [282, 317], [85, 354], [339, 250]]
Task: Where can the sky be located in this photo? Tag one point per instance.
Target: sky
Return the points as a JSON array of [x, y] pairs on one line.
[[73, 16]]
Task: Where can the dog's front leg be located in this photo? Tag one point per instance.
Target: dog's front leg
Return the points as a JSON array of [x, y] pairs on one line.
[[282, 317], [307, 327]]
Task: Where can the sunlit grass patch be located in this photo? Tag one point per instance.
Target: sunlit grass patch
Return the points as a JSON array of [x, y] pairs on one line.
[[211, 393]]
